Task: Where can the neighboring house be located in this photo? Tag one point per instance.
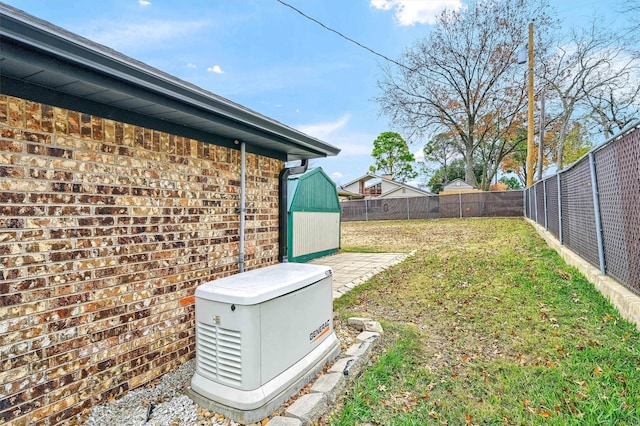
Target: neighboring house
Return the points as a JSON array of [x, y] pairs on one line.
[[120, 193], [457, 186], [348, 195], [376, 186]]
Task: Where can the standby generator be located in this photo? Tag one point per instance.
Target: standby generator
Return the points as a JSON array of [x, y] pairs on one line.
[[260, 334]]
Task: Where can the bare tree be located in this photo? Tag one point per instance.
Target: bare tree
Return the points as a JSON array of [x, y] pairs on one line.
[[614, 108], [630, 11], [463, 79], [591, 76]]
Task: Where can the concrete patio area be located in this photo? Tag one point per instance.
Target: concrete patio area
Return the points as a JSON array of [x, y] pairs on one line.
[[353, 269]]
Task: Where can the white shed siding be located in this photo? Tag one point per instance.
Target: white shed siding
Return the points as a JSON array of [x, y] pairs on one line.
[[314, 232]]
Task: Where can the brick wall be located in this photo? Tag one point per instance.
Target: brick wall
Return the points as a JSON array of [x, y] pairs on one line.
[[105, 232]]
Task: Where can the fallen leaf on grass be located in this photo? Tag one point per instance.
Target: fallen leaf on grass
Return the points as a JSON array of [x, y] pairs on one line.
[[382, 388], [597, 370]]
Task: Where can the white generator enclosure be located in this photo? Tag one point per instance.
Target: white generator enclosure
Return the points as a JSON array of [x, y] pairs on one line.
[[260, 332]]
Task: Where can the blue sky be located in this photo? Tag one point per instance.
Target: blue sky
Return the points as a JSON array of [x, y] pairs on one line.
[[267, 57]]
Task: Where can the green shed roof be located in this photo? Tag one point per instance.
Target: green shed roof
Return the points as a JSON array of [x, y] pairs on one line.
[[312, 191]]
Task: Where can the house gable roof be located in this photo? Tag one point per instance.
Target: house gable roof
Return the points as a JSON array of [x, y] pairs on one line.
[[400, 185], [364, 178], [44, 63], [407, 187], [370, 176], [457, 183]]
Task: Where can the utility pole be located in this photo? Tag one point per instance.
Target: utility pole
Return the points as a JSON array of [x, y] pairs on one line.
[[530, 128]]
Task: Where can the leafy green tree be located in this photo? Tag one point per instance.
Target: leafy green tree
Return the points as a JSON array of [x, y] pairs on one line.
[[442, 149], [511, 182], [456, 170], [392, 156]]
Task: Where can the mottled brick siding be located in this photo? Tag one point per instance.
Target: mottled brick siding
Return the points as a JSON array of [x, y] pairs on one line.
[[105, 232]]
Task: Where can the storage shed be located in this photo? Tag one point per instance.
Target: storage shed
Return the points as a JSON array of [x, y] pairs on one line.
[[314, 216]]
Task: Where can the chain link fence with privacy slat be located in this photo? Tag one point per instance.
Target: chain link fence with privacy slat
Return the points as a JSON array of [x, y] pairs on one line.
[[476, 204], [594, 207]]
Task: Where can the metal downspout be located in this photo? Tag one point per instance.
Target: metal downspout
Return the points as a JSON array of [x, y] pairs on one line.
[[283, 225]]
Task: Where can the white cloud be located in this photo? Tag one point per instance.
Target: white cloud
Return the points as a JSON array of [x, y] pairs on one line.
[[322, 130], [337, 175], [411, 12], [190, 65], [144, 3], [353, 149], [215, 69], [128, 36], [419, 155]]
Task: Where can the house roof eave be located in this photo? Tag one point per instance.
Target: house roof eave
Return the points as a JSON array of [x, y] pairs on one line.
[[51, 63]]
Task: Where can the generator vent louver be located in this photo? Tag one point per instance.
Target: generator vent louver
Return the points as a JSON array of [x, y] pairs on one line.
[[221, 352]]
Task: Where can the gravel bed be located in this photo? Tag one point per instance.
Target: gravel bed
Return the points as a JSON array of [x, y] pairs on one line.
[[165, 403]]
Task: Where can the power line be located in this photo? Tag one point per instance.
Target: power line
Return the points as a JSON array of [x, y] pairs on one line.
[[342, 35]]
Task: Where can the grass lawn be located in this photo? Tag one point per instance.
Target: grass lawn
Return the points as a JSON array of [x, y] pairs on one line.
[[486, 325]]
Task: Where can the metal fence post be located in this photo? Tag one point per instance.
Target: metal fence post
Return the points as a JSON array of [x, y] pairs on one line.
[[531, 200], [559, 208], [544, 194], [366, 212], [535, 201], [408, 217], [596, 208]]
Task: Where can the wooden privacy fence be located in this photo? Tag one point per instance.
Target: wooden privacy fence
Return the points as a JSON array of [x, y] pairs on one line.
[[476, 204]]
